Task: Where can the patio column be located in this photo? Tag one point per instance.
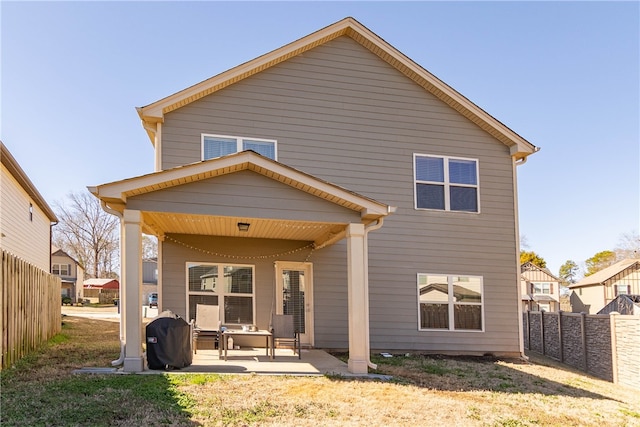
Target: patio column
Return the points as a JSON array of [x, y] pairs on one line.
[[131, 272], [357, 300]]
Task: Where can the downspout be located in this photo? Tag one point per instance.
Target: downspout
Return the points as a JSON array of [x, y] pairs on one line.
[[517, 163], [120, 360], [374, 227], [51, 225]]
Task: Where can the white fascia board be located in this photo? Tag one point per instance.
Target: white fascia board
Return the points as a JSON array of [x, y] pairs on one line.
[[117, 190]]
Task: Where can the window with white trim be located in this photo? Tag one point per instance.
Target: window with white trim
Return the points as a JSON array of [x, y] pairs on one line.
[[544, 288], [622, 289], [220, 145], [450, 302], [61, 269], [446, 183], [231, 287]]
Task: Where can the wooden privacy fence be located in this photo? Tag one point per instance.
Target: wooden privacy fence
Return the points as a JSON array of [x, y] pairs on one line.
[[30, 304], [603, 345]]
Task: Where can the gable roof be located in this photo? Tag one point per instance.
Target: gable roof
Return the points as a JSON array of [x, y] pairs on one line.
[[116, 193], [605, 274], [56, 251], [9, 162], [529, 266], [349, 27]]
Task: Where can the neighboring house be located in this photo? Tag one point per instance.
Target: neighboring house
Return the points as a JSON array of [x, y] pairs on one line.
[[102, 291], [540, 289], [593, 292], [149, 278], [25, 217], [336, 180], [70, 272]]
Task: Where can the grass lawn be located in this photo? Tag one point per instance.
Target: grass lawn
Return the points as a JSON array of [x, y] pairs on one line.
[[426, 390]]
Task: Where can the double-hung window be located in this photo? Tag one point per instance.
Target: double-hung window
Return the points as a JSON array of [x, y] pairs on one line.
[[450, 302], [219, 145], [446, 183], [61, 269], [544, 288], [231, 287]]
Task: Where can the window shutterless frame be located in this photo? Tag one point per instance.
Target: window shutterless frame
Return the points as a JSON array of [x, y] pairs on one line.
[[445, 173], [450, 298], [266, 147], [214, 286]]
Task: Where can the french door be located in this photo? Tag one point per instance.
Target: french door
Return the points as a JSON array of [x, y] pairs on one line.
[[294, 295]]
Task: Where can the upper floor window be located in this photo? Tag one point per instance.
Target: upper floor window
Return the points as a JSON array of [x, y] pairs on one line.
[[450, 302], [61, 269], [622, 290], [446, 183], [542, 288], [218, 145]]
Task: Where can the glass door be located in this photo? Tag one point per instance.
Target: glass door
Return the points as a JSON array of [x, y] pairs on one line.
[[294, 296]]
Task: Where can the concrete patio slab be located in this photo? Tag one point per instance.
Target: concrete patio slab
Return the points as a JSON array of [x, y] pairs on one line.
[[254, 361]]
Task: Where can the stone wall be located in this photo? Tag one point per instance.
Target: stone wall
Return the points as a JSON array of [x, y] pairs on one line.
[[605, 346]]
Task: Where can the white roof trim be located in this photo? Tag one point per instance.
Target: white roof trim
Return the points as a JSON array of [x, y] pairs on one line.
[[116, 193]]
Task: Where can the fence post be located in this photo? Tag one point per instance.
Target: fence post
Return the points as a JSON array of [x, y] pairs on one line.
[[528, 331], [542, 332], [583, 333], [613, 317], [560, 346]]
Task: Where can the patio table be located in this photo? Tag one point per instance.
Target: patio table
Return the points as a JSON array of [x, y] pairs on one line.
[[239, 332]]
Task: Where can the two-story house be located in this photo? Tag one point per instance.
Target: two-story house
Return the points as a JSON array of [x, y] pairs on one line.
[[336, 180], [540, 289], [71, 274], [592, 293], [25, 217]]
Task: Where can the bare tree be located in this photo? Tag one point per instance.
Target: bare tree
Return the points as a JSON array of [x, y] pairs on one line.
[[89, 234], [628, 246], [149, 246]]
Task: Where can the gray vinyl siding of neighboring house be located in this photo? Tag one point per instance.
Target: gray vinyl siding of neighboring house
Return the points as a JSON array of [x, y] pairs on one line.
[[341, 114], [150, 272]]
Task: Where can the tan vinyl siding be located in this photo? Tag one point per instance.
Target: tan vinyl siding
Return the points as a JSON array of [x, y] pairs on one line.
[[340, 113], [591, 297], [29, 240], [65, 260]]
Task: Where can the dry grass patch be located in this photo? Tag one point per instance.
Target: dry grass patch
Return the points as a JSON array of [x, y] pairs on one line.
[[425, 390]]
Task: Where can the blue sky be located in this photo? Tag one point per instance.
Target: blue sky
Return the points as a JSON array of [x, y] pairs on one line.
[[564, 75]]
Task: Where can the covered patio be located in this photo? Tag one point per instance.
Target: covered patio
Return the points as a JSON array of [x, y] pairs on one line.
[[257, 210]]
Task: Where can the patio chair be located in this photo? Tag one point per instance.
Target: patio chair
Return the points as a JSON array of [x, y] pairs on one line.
[[206, 325], [284, 332]]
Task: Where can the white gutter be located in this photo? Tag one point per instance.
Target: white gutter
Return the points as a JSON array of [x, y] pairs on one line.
[[374, 227], [120, 360]]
